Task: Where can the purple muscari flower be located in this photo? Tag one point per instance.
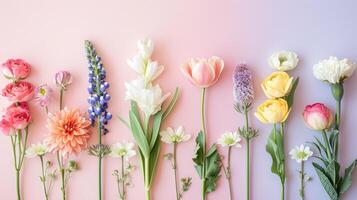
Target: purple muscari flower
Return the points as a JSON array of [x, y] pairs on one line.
[[99, 97], [243, 92]]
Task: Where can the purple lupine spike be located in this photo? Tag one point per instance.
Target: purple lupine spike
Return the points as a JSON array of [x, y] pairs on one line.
[[243, 92]]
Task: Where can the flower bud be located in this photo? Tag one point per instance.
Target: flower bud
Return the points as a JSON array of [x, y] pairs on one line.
[[318, 117]]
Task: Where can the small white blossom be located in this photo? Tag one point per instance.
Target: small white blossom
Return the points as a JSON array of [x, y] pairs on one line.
[[146, 47], [300, 153], [230, 139], [124, 149], [334, 70], [38, 149], [178, 135], [283, 60]]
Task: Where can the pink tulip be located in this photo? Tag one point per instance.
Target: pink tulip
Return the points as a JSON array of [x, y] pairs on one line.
[[6, 127], [16, 69], [18, 91], [203, 72], [63, 79], [18, 115], [318, 117]]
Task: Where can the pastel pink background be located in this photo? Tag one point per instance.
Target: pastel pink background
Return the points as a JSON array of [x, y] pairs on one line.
[[50, 35]]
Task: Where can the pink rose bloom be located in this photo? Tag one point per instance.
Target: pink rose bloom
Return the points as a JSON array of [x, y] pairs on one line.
[[18, 115], [16, 69], [43, 95], [203, 72], [6, 128], [318, 117], [19, 91]]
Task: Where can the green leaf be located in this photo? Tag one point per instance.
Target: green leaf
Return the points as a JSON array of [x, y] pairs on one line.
[[142, 161], [347, 179], [172, 103], [275, 147], [213, 169], [290, 96], [199, 155], [154, 156], [333, 171], [138, 134], [326, 182], [156, 128]]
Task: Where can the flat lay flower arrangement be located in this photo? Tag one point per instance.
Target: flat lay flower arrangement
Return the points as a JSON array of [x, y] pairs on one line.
[[69, 128]]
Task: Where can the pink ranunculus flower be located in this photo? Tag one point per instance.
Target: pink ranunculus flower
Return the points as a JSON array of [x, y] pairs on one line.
[[18, 115], [19, 91], [203, 72], [43, 95], [318, 117], [62, 79], [16, 69], [6, 128]]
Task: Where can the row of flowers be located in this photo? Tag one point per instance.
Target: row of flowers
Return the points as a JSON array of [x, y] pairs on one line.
[[69, 129]]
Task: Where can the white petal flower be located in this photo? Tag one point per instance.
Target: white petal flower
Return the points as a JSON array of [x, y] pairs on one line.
[[300, 153], [134, 88], [38, 149], [334, 70], [178, 135], [138, 64], [146, 47], [229, 139], [124, 149], [153, 70], [284, 60]]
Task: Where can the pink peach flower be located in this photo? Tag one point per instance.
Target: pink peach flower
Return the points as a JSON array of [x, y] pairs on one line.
[[6, 128], [43, 95], [18, 115], [19, 91], [318, 117], [203, 72], [16, 69]]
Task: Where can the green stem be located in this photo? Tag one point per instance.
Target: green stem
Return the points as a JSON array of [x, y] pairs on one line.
[[100, 160], [204, 146], [62, 171], [302, 179], [123, 178], [282, 191], [248, 168], [327, 144], [229, 173], [247, 152], [147, 179], [61, 98], [43, 177], [18, 184], [283, 175], [338, 122], [174, 166]]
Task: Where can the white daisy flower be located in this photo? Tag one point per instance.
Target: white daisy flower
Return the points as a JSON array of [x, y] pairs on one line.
[[124, 149], [178, 135], [38, 149], [300, 153], [230, 139]]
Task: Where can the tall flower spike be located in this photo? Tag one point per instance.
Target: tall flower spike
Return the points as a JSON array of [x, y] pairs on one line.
[[243, 92], [98, 96]]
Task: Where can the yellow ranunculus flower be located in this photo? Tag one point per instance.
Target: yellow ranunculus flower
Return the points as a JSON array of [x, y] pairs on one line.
[[272, 111], [277, 85]]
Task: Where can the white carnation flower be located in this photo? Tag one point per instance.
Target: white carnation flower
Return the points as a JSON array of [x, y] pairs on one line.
[[334, 70], [171, 135], [283, 60], [229, 139], [124, 149], [38, 149], [300, 153]]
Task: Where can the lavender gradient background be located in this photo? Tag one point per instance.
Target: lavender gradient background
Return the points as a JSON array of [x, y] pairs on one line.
[[50, 34]]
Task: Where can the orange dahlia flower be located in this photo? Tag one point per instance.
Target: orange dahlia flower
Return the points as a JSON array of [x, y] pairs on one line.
[[69, 132]]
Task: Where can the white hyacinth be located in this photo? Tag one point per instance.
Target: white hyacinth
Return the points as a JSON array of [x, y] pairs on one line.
[[300, 153], [334, 70]]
